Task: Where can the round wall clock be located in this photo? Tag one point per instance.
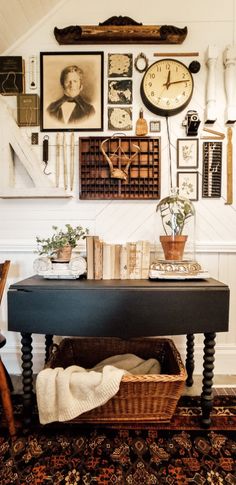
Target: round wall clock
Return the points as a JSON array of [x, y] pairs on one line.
[[167, 87]]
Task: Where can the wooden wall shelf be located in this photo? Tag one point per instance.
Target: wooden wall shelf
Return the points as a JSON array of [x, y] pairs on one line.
[[120, 30]]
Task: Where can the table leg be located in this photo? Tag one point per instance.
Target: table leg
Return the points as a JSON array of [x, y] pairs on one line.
[[190, 359], [208, 374], [27, 379], [48, 344]]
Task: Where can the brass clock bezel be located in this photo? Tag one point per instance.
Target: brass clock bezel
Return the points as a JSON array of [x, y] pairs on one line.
[[161, 111]]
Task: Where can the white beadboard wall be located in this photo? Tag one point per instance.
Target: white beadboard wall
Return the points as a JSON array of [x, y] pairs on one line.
[[209, 23]]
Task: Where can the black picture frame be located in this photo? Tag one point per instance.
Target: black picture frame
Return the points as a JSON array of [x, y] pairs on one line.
[[187, 183], [155, 126], [187, 152], [120, 91], [120, 65], [12, 75], [90, 100]]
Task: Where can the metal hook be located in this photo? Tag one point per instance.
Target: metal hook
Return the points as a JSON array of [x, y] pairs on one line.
[[44, 170]]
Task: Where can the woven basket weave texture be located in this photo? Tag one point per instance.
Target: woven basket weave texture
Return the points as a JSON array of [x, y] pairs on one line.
[[141, 398]]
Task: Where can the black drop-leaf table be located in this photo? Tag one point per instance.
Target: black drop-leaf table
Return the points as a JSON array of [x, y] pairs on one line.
[[119, 308]]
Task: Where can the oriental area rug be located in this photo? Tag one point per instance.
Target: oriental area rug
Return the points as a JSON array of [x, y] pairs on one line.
[[177, 453]]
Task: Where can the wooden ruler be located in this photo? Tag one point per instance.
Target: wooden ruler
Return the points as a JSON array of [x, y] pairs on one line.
[[229, 199], [65, 162], [57, 159], [72, 160], [176, 54]]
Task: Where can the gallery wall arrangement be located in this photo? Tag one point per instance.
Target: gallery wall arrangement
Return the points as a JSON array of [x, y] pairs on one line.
[[102, 114], [71, 99]]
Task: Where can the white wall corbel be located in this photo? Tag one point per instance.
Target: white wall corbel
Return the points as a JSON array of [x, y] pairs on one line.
[[211, 62], [229, 60]]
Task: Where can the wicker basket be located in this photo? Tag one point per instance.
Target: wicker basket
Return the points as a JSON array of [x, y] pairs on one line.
[[141, 398]]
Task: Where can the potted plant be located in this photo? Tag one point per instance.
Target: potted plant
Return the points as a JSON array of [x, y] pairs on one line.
[[175, 213], [59, 246]]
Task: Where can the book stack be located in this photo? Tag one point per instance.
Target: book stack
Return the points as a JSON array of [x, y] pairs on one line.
[[94, 251], [117, 261]]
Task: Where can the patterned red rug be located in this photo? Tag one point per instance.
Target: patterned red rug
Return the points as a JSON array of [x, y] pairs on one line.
[[181, 454]]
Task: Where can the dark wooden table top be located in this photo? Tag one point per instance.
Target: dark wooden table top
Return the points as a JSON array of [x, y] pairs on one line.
[[118, 308]]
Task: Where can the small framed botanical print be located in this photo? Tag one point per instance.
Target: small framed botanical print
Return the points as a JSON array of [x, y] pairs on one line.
[[187, 153], [187, 182], [120, 65], [119, 118], [120, 91]]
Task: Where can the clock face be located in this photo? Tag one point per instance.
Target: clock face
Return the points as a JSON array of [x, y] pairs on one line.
[[167, 87]]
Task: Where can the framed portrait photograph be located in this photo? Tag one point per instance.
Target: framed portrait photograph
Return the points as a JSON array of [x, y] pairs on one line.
[[120, 91], [71, 91], [187, 182], [187, 153]]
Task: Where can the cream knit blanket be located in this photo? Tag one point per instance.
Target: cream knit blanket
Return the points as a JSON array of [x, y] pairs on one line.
[[63, 394]]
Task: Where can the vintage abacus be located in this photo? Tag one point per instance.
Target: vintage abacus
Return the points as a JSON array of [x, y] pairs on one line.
[[212, 169]]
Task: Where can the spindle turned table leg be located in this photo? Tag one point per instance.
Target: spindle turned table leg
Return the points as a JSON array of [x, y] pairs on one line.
[[208, 374], [190, 359]]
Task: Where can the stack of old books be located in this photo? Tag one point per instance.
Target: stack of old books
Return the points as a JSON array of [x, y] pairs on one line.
[[117, 261]]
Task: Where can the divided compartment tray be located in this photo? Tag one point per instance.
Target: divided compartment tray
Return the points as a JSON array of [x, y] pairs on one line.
[[143, 180]]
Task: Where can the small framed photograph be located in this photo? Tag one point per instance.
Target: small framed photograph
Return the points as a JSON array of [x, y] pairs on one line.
[[119, 119], [71, 91], [187, 182], [187, 153], [120, 92], [155, 126], [120, 65]]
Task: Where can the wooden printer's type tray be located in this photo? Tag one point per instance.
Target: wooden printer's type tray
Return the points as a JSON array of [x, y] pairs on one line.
[[143, 177]]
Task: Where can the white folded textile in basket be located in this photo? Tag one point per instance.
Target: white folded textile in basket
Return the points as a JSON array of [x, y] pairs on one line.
[[64, 394]]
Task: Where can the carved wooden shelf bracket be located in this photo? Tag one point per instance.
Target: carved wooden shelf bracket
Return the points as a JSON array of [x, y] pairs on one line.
[[122, 30]]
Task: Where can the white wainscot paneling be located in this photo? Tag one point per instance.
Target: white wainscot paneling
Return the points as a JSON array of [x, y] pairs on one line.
[[208, 22]]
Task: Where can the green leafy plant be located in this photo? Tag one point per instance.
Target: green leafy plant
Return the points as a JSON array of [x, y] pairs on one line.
[[61, 238], [175, 212]]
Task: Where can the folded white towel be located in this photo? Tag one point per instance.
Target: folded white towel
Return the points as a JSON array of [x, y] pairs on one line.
[[63, 394]]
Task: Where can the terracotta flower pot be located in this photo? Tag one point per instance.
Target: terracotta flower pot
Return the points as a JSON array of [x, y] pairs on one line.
[[64, 254], [173, 247]]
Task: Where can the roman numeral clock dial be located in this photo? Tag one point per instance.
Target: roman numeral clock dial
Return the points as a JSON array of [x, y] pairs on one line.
[[167, 87]]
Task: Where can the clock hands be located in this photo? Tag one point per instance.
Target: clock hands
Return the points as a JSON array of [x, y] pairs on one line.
[[168, 82], [181, 81]]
